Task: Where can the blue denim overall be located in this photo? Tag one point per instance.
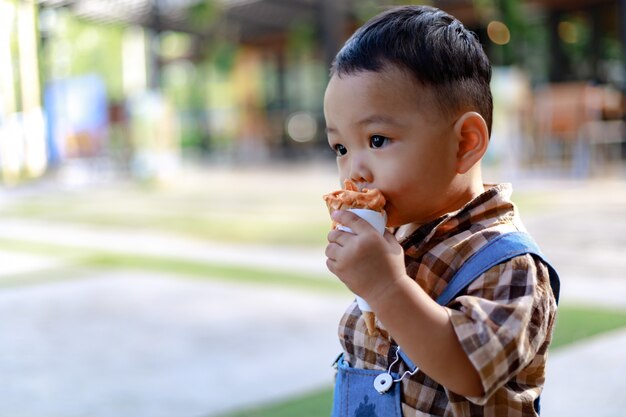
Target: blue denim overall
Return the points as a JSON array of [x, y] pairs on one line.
[[356, 396], [371, 393]]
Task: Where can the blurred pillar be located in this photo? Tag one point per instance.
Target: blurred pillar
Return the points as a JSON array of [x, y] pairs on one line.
[[622, 20], [35, 158], [7, 89], [203, 113], [281, 94], [331, 28], [154, 46], [559, 64], [595, 45], [134, 65], [10, 163], [28, 62]]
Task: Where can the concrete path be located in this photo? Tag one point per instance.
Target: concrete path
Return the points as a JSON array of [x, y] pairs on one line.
[[128, 344], [587, 379]]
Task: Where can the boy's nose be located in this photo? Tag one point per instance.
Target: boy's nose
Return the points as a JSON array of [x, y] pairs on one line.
[[359, 172]]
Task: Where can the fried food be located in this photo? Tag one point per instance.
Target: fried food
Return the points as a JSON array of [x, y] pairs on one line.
[[350, 197]]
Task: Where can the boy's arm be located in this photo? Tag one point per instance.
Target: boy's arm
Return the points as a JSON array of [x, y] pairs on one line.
[[498, 327], [428, 337], [502, 324], [372, 266]]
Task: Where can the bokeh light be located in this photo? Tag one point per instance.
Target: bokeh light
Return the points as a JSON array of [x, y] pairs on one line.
[[302, 126], [498, 32]]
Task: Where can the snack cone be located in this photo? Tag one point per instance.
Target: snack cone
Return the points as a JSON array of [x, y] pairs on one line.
[[369, 205], [351, 198], [370, 322]]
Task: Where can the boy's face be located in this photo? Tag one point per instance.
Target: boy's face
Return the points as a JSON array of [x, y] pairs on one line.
[[387, 134]]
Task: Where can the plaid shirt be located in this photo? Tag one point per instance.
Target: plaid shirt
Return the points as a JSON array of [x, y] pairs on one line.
[[504, 320]]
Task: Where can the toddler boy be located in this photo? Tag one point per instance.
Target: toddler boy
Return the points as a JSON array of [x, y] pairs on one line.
[[408, 110]]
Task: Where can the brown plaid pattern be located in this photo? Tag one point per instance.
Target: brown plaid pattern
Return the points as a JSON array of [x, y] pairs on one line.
[[504, 321]]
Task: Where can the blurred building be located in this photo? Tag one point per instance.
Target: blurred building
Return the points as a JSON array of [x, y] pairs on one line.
[[244, 79]]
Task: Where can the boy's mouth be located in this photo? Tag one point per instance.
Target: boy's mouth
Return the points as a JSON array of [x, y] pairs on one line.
[[364, 186]]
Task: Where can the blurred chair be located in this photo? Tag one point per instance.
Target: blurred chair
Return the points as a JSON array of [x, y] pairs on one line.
[[573, 120]]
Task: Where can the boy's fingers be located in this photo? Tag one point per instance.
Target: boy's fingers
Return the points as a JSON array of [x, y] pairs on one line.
[[390, 237], [336, 236], [332, 252]]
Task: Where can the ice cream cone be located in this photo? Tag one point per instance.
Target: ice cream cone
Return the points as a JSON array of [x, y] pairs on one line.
[[370, 323], [369, 205], [351, 198]]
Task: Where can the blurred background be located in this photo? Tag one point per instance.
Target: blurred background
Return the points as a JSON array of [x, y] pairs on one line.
[[161, 170]]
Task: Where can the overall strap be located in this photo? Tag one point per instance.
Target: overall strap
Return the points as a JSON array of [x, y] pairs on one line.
[[498, 250]]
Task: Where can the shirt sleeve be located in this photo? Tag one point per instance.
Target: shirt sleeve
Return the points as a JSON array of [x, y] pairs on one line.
[[503, 320]]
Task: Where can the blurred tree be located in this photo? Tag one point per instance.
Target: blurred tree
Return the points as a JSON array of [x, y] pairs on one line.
[[301, 38], [513, 17], [203, 15], [75, 47], [222, 53]]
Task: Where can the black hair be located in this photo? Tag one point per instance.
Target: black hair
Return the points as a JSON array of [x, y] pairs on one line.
[[433, 46]]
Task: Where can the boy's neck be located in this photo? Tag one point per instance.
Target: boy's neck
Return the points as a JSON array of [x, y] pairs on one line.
[[472, 187]]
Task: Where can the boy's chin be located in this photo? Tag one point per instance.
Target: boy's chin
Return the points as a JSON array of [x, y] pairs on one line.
[[392, 222], [392, 225]]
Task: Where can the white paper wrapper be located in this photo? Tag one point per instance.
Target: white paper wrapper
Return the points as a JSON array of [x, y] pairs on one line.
[[363, 306], [376, 219]]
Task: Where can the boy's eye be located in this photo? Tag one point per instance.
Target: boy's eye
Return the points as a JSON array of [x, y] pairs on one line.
[[378, 141], [340, 150]]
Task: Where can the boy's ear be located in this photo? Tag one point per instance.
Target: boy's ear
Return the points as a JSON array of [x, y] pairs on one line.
[[473, 137]]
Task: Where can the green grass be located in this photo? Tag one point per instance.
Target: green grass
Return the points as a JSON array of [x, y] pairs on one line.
[[574, 323], [80, 259], [232, 227], [316, 404], [248, 212], [203, 270]]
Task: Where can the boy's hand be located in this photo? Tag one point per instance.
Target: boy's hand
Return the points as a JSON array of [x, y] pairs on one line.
[[365, 261]]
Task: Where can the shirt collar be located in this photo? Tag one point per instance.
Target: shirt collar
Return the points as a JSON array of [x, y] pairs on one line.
[[485, 209]]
